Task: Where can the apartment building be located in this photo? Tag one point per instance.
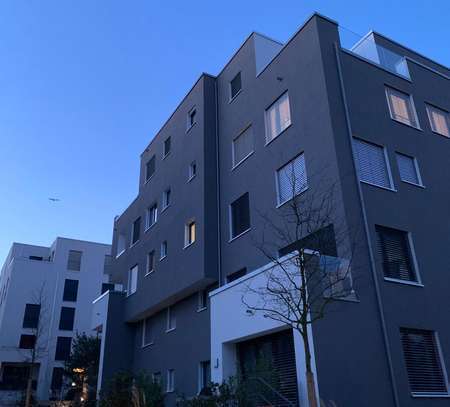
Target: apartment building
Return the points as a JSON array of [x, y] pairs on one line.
[[46, 296], [373, 117]]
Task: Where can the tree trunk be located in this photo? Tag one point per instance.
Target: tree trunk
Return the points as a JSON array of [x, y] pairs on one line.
[[29, 390], [310, 382]]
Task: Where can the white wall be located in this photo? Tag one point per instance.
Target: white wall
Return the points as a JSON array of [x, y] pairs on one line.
[[231, 323]]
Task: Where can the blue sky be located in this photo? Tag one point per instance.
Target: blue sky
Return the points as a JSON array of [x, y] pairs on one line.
[[84, 86]]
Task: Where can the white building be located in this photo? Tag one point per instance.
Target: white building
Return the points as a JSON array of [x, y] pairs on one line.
[[46, 296]]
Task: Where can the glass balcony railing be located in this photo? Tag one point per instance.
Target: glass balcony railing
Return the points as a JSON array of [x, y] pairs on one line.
[[367, 48]]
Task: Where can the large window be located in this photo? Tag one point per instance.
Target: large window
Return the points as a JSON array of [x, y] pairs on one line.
[[27, 341], [439, 120], [243, 146], [278, 117], [31, 316], [424, 363], [401, 107], [70, 290], [150, 167], [151, 216], [136, 231], [408, 169], [395, 254], [372, 164], [147, 332], [67, 318], [240, 215], [63, 345], [170, 385], [171, 322], [132, 280], [291, 179], [74, 260], [235, 86]]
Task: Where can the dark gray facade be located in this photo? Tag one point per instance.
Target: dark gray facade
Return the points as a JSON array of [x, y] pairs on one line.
[[335, 95]]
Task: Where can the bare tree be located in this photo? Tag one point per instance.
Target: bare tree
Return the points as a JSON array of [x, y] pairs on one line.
[[299, 289], [38, 348]]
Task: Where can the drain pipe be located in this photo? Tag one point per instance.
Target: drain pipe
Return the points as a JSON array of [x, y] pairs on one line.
[[366, 229]]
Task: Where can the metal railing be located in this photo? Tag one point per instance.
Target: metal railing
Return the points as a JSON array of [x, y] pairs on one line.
[[270, 396]]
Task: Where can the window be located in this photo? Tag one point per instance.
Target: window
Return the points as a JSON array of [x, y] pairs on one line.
[[235, 86], [63, 345], [240, 215], [163, 253], [57, 378], [132, 280], [31, 316], [121, 244], [291, 179], [147, 332], [166, 198], [150, 167], [278, 117], [243, 146], [204, 378], [202, 300], [409, 169], [424, 364], [107, 287], [192, 170], [372, 164], [189, 233], [38, 258], [27, 341], [192, 118], [150, 262], [171, 320], [74, 260], [439, 120], [237, 274], [401, 107], [170, 385], [70, 290], [136, 231], [67, 318], [151, 216], [337, 281], [166, 146], [395, 254]]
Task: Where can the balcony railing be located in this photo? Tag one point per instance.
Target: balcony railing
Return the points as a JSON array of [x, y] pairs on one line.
[[368, 49]]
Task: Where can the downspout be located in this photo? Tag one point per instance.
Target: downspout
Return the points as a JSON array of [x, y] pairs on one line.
[[219, 229], [366, 229]]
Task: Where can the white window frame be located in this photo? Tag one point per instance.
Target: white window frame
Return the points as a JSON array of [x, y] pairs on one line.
[[416, 167], [145, 344], [124, 237], [170, 382], [148, 219], [235, 164], [266, 120], [164, 246], [411, 101], [171, 322], [147, 271], [187, 225], [192, 173], [430, 119], [165, 200], [230, 221], [277, 184], [130, 280]]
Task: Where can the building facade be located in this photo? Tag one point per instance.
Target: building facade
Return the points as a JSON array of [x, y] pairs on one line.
[[372, 119], [46, 296]]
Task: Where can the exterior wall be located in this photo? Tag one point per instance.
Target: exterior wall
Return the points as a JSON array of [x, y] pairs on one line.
[[27, 277]]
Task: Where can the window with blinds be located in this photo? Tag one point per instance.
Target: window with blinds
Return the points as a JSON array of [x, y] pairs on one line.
[[408, 169], [371, 164], [243, 146], [291, 179], [74, 260], [439, 120], [395, 254], [240, 215], [423, 361], [401, 107], [278, 117]]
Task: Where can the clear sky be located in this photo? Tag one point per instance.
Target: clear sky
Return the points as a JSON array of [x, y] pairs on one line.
[[85, 85]]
